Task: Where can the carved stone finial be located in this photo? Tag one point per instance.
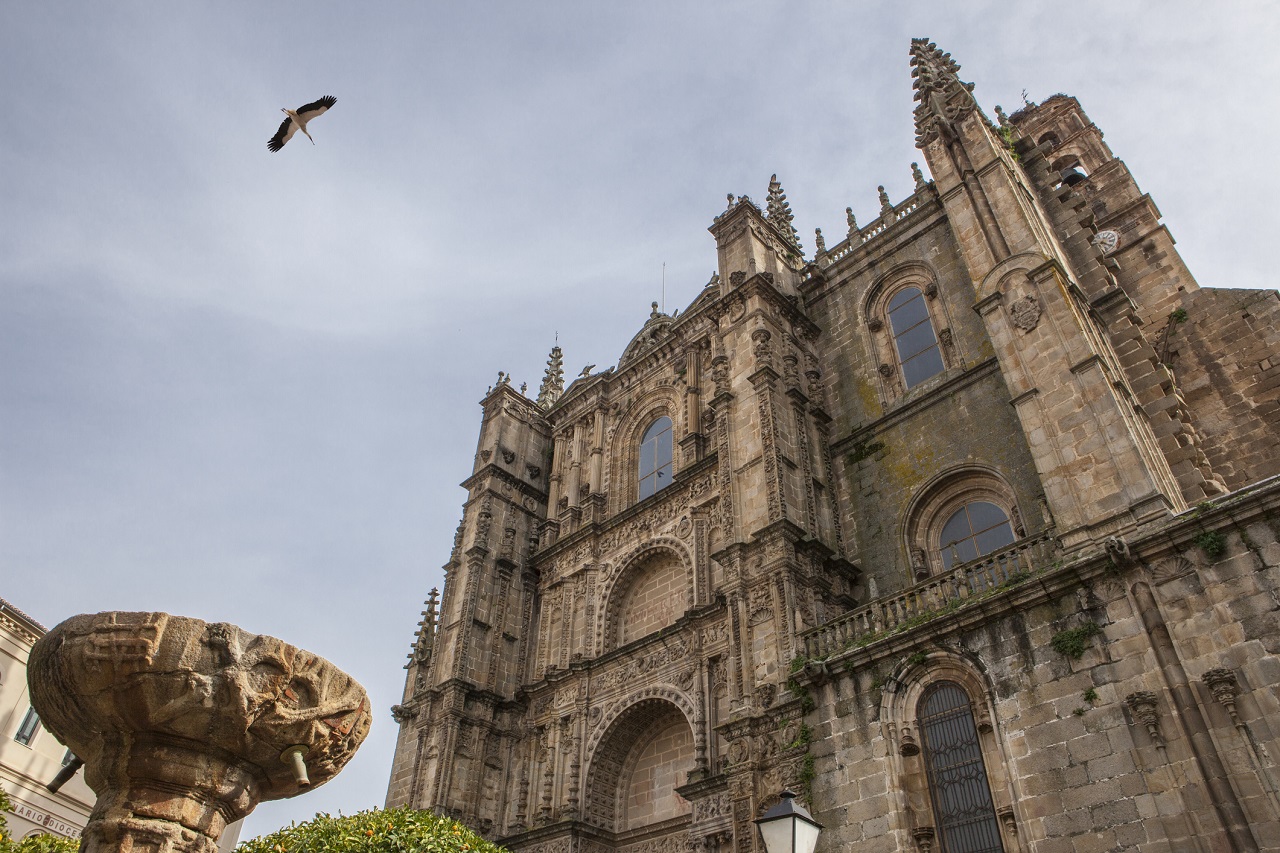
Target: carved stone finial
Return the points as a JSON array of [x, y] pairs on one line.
[[720, 374], [552, 380], [779, 213], [653, 314], [943, 98], [714, 281], [923, 836], [886, 206], [819, 241], [1001, 117], [1222, 683], [907, 745], [731, 198], [919, 177], [1142, 705], [852, 220]]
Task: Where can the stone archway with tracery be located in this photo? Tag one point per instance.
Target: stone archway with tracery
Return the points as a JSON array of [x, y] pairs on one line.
[[643, 755], [652, 590]]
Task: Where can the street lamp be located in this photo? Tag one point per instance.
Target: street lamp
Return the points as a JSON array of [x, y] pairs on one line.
[[788, 828]]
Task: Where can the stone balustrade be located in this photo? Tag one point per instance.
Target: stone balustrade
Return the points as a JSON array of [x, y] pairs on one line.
[[883, 223], [904, 609]]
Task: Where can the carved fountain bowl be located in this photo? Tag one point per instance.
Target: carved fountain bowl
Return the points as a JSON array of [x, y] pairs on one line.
[[183, 721]]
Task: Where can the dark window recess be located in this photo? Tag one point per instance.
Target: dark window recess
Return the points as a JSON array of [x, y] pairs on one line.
[[962, 806], [655, 457], [913, 336]]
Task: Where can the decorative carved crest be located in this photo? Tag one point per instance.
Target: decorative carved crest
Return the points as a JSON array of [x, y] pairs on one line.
[[1025, 313]]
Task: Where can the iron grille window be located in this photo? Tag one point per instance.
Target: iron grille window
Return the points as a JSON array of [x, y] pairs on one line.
[[913, 335], [962, 806], [27, 731], [655, 457], [977, 528]]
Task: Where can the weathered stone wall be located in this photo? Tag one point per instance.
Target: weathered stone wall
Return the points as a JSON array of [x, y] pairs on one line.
[[1081, 762], [1226, 357]]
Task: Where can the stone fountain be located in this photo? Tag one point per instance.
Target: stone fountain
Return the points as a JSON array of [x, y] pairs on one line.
[[185, 726]]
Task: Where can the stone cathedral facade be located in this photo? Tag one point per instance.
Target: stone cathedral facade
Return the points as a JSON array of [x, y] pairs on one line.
[[964, 528]]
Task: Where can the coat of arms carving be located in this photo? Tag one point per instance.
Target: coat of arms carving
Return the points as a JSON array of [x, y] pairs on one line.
[[1025, 313]]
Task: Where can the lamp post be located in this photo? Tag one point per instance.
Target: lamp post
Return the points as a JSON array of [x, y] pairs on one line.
[[788, 828]]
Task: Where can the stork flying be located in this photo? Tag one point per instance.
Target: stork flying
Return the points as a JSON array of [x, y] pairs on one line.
[[297, 120]]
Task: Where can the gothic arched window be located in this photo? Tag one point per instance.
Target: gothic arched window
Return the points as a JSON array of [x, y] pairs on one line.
[[977, 528], [963, 810], [655, 457], [913, 336]]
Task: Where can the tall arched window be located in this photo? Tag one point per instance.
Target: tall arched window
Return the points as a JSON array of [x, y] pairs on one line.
[[913, 336], [977, 528], [963, 810], [655, 457]]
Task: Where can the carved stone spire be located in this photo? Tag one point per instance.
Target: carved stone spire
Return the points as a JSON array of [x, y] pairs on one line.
[[852, 220], [779, 212], [553, 380], [943, 98], [919, 176]]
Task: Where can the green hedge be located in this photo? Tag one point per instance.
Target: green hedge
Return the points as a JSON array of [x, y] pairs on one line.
[[402, 830]]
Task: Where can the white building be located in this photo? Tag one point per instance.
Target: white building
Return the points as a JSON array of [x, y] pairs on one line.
[[31, 757]]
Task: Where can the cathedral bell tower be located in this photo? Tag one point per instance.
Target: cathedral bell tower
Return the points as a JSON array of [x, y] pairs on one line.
[[1092, 444]]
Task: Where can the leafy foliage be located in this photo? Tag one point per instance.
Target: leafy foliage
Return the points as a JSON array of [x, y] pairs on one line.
[[402, 830], [34, 844], [1212, 543], [1071, 643]]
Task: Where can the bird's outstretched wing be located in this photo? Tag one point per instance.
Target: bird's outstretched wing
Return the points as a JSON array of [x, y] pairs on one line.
[[306, 112], [283, 135]]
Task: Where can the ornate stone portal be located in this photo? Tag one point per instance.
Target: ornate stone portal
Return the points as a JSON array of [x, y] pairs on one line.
[[186, 726]]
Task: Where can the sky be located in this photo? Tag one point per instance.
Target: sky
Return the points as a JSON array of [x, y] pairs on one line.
[[242, 385]]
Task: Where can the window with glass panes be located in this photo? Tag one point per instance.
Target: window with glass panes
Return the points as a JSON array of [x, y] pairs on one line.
[[913, 336], [962, 804], [655, 457], [977, 528], [27, 731]]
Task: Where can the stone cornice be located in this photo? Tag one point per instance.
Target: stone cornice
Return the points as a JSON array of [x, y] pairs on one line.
[[762, 286], [493, 471]]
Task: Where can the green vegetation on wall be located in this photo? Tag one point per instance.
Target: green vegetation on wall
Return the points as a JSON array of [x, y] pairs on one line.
[[1072, 642], [1212, 543]]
